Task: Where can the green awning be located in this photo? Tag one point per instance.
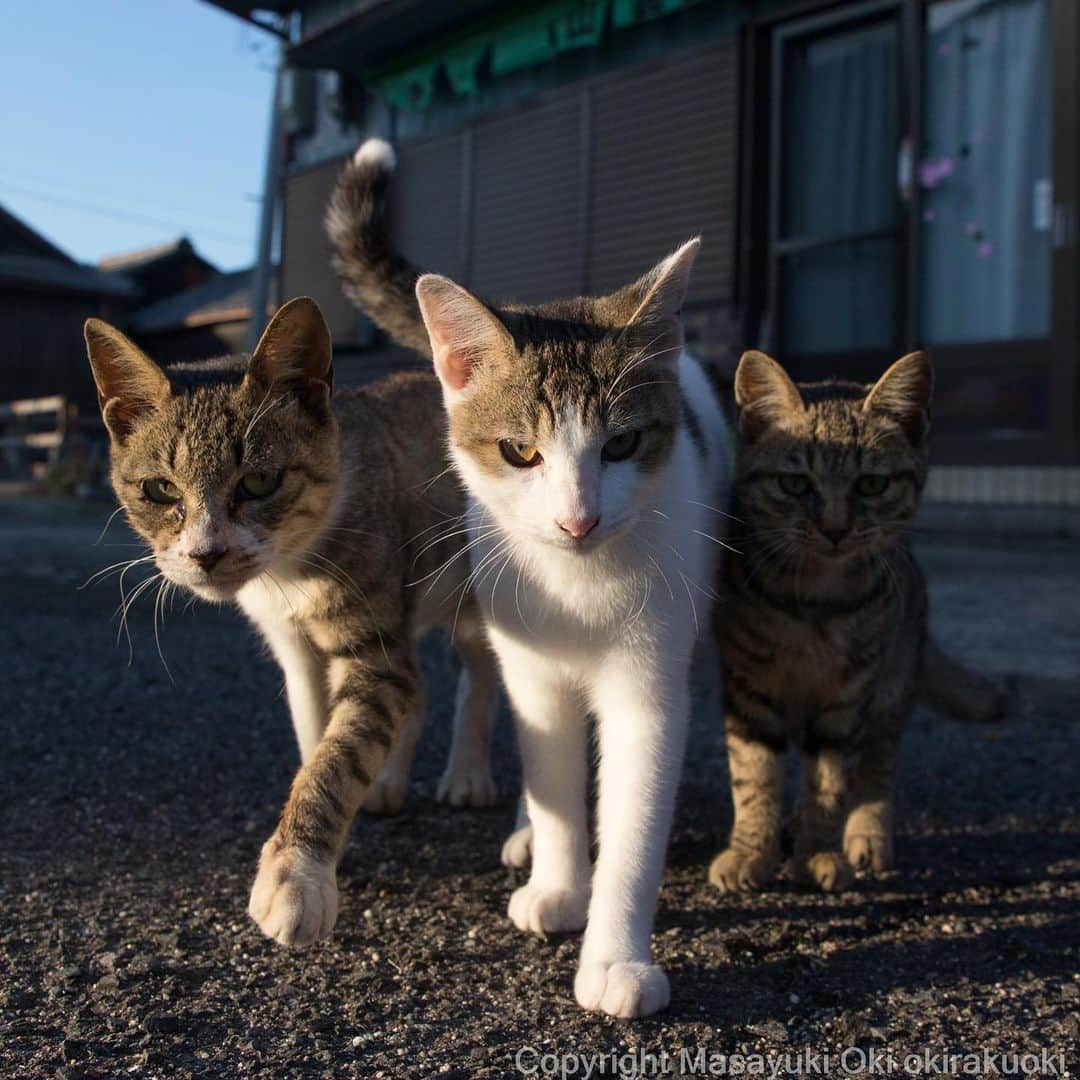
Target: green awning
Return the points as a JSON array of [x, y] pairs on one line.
[[523, 41]]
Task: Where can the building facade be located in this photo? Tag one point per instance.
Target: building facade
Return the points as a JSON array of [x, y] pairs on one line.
[[868, 176]]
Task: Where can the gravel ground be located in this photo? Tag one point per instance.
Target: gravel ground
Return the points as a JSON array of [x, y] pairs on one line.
[[133, 806]]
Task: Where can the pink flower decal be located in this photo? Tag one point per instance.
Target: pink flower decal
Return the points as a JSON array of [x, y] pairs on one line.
[[933, 170]]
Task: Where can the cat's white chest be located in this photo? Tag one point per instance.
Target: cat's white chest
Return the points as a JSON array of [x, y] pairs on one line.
[[271, 601]]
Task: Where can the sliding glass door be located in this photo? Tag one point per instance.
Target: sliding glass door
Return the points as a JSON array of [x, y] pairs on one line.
[[912, 202]]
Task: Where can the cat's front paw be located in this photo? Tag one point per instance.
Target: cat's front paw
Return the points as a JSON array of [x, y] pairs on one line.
[[735, 871], [541, 911], [828, 871], [294, 899], [625, 990], [468, 787], [868, 850], [517, 849], [386, 795]]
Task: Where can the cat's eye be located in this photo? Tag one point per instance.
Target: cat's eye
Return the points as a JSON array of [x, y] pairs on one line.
[[620, 447], [257, 485], [871, 484], [520, 455], [794, 483], [161, 491]]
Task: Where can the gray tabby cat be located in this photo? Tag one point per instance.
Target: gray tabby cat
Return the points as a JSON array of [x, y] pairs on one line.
[[315, 516], [824, 629]]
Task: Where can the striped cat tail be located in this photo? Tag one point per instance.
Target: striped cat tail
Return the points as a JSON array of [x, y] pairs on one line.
[[373, 276], [956, 692]]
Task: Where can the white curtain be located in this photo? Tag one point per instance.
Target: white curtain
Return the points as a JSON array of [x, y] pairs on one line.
[[839, 172], [985, 171]]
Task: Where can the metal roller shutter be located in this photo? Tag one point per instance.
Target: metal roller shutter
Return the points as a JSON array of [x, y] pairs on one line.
[[306, 267], [425, 206], [527, 221], [664, 158]]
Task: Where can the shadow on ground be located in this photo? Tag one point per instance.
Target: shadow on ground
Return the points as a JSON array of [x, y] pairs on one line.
[[133, 806]]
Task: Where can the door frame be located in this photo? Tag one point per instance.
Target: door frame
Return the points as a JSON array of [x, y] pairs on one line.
[[851, 15], [1056, 359]]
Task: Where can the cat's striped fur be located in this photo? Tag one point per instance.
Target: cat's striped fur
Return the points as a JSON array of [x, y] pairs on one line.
[[355, 504], [823, 634]]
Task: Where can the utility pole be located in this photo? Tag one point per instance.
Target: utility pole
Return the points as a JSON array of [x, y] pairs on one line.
[[264, 252]]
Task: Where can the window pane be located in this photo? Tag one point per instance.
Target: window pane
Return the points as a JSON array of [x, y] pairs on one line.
[[985, 171], [840, 132], [838, 298]]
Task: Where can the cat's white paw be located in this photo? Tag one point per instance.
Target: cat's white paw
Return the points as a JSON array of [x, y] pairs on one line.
[[294, 899], [625, 989], [541, 911], [386, 795], [468, 787], [517, 849]]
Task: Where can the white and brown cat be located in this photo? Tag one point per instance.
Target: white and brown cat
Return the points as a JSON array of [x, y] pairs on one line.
[[593, 451]]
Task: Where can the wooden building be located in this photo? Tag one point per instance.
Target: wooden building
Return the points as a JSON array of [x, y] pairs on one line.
[[869, 176], [45, 296]]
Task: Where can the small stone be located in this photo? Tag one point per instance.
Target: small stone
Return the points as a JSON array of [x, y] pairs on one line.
[[770, 1029], [157, 1023], [72, 1049], [107, 984], [794, 999]]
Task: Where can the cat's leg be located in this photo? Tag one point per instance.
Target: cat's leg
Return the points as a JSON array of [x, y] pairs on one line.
[[757, 790], [642, 717], [304, 668], [387, 794], [552, 737], [868, 832], [467, 780], [373, 689], [517, 848], [822, 808]]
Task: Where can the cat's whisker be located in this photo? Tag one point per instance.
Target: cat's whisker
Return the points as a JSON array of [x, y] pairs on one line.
[[439, 571], [709, 536], [474, 578], [715, 510], [157, 635], [117, 567], [264, 407], [690, 597], [641, 386], [108, 521]]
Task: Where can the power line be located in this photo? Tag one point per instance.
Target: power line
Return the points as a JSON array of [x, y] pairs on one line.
[[48, 185], [122, 215]]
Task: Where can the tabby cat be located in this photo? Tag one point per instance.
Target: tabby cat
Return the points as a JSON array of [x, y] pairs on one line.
[[315, 516], [594, 450], [823, 637]]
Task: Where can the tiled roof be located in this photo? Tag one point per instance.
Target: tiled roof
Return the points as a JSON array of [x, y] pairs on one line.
[[224, 298], [42, 272]]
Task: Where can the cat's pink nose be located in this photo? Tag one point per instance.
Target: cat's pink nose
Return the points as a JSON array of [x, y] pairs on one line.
[[578, 527]]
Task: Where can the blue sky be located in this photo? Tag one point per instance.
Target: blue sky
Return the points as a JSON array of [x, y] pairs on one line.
[[153, 110]]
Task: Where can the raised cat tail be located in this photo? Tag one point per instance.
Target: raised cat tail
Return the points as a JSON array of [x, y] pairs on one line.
[[957, 692], [373, 276]]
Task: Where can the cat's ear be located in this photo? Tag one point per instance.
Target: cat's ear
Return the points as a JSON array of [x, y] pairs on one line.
[[764, 394], [658, 296], [295, 353], [463, 330], [129, 384], [904, 393]]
